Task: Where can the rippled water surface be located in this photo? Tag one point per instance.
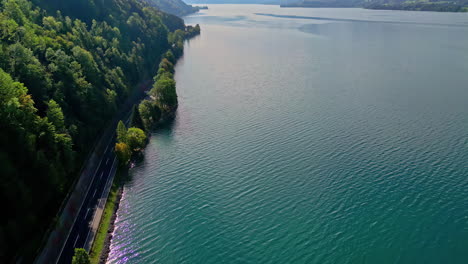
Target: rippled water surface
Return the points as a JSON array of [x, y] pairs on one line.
[[308, 136]]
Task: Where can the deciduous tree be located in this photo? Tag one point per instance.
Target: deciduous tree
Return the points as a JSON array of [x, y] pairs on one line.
[[81, 256], [136, 138]]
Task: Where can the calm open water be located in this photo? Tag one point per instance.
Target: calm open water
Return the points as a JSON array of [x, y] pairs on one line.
[[308, 136]]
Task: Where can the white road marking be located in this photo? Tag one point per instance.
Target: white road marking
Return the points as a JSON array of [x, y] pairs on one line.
[[76, 240], [82, 201], [106, 149], [100, 177], [94, 192], [107, 161], [87, 211], [110, 172], [89, 230], [113, 163], [74, 220]]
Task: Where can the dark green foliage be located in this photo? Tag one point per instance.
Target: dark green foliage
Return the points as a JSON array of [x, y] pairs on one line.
[[192, 31], [170, 57], [37, 162], [63, 75], [80, 257], [177, 38], [150, 113], [136, 118], [163, 96], [175, 7]]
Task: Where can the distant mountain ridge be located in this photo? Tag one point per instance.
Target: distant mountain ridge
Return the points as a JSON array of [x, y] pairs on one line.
[[321, 3], [275, 2], [416, 5]]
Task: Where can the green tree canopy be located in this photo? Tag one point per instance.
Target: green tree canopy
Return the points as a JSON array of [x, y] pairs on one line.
[[164, 92], [121, 132], [123, 153], [170, 57], [66, 67], [136, 138], [55, 115], [150, 113], [81, 257], [166, 65]]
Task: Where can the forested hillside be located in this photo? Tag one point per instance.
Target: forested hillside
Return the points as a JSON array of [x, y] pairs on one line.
[[416, 5], [175, 7], [420, 5], [65, 68]]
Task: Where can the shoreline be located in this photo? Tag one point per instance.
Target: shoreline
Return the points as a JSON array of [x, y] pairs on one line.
[[110, 231], [428, 8], [101, 247], [104, 252]]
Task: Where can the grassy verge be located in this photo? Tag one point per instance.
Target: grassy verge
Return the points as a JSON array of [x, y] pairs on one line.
[[101, 236]]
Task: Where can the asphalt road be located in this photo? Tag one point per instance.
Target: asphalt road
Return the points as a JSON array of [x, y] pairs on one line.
[[82, 226], [54, 250]]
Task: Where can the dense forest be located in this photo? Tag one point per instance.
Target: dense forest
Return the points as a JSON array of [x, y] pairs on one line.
[[160, 105], [65, 68], [175, 7], [416, 5]]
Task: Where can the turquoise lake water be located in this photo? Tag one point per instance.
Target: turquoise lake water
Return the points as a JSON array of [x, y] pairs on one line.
[[308, 136]]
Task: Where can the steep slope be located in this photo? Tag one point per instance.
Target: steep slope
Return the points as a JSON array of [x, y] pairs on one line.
[[321, 3], [175, 7], [65, 68]]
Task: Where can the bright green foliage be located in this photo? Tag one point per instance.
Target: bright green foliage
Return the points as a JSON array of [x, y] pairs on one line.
[[121, 132], [36, 162], [136, 138], [123, 153], [63, 75], [55, 116], [80, 257], [164, 92], [128, 141], [150, 113]]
